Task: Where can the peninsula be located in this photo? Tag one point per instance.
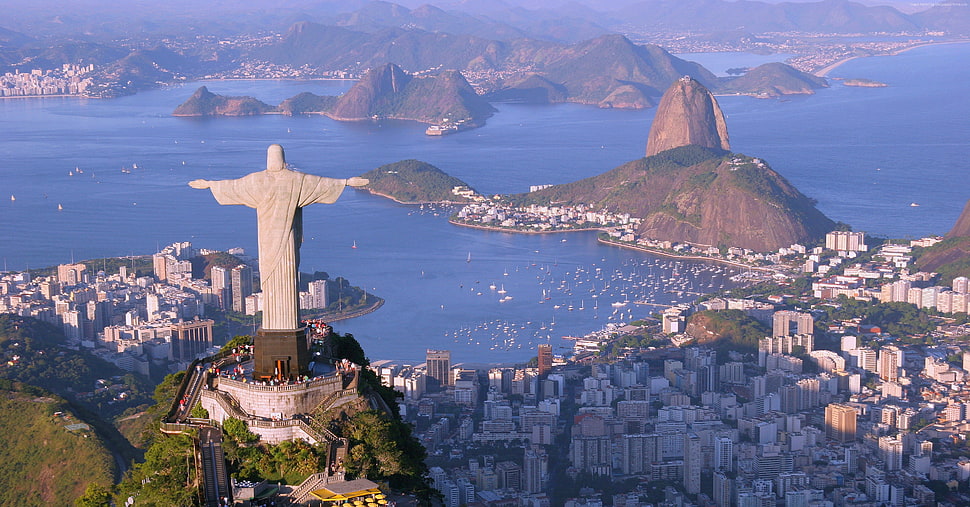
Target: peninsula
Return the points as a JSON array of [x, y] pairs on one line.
[[689, 189], [415, 182]]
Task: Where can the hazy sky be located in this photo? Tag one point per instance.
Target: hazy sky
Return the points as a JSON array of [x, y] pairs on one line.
[[40, 17]]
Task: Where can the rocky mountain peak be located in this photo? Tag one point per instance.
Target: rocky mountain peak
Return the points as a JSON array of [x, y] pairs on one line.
[[688, 114], [962, 227]]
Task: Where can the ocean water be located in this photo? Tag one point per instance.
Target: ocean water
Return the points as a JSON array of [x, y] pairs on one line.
[[118, 169]]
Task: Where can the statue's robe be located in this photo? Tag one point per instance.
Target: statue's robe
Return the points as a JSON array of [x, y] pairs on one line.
[[279, 198]]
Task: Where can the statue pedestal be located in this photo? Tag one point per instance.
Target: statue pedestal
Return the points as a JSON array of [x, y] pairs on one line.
[[280, 354]]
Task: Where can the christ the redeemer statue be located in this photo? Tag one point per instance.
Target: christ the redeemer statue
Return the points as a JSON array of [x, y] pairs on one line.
[[278, 194]]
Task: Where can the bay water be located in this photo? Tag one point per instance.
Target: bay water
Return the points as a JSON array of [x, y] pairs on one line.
[[96, 178]]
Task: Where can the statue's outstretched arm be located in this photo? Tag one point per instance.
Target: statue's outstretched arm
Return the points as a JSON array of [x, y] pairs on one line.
[[199, 184], [357, 181]]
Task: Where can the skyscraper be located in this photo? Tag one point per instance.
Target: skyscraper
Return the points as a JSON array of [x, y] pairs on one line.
[[890, 363], [319, 293], [545, 358], [221, 283], [840, 422], [692, 464], [242, 286], [534, 465], [723, 487], [638, 451], [190, 339], [438, 367], [71, 274], [787, 322], [724, 454]]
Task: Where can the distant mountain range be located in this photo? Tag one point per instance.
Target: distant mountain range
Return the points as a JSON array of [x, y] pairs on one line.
[[571, 48], [608, 71], [491, 19]]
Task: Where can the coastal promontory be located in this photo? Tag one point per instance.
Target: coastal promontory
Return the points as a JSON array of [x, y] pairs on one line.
[[773, 80], [690, 188], [413, 181]]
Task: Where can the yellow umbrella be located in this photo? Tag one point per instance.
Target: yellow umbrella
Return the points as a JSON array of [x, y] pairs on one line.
[[380, 495], [382, 501]]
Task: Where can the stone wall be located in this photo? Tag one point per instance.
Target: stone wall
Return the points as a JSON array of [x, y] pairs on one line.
[[271, 432], [269, 401]]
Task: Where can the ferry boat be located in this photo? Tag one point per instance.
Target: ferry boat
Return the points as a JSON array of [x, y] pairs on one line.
[[441, 130]]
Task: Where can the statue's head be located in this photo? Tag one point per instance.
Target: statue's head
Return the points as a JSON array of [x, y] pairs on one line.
[[275, 159]]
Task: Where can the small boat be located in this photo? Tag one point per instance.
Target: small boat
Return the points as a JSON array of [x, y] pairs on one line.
[[914, 205], [469, 259], [59, 207], [12, 198], [354, 245]]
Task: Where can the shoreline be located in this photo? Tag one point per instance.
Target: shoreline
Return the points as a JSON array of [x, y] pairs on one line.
[[644, 249], [337, 317], [664, 253], [824, 71], [409, 203], [516, 231]]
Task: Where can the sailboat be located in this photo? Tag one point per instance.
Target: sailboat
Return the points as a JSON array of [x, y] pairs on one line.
[[354, 245], [502, 290], [59, 207], [469, 259], [12, 198]]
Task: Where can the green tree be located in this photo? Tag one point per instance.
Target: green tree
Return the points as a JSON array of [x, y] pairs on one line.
[[238, 431], [167, 477], [199, 412], [96, 495], [382, 448], [237, 341]]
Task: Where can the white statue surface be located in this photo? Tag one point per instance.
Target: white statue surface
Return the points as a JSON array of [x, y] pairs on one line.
[[278, 194]]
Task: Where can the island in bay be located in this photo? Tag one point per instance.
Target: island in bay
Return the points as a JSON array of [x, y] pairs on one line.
[[444, 99], [864, 83]]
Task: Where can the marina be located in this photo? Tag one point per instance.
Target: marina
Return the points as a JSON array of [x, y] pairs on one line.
[[634, 287]]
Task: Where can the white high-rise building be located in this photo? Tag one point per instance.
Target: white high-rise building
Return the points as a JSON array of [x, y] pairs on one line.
[[723, 454], [319, 295], [221, 281]]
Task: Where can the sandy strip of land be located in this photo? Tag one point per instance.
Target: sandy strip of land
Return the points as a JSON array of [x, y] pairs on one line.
[[832, 66]]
